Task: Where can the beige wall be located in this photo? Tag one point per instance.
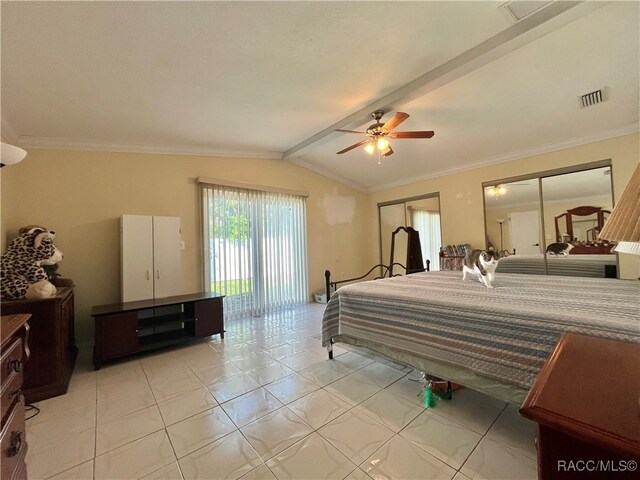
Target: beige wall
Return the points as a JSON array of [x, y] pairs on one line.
[[461, 205], [82, 194]]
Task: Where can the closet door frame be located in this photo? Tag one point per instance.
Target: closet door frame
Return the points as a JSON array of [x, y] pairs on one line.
[[540, 176], [403, 202]]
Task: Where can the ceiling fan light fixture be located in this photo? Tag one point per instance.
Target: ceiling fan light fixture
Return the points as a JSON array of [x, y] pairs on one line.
[[370, 148], [379, 134], [383, 144], [497, 190]]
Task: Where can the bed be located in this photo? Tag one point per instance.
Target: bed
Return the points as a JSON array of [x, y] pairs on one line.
[[491, 340], [595, 266]]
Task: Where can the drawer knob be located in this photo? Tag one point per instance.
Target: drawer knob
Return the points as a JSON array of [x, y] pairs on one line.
[[15, 365], [16, 444]]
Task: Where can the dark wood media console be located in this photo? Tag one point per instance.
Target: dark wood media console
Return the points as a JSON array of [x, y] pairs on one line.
[[123, 329]]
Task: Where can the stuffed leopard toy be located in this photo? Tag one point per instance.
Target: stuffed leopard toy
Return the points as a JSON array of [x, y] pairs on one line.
[[22, 272]]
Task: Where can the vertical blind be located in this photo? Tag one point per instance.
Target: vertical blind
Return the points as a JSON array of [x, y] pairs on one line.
[[427, 222], [255, 248]]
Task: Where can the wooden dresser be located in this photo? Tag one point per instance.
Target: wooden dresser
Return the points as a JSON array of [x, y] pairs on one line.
[[13, 357], [586, 402], [51, 341]]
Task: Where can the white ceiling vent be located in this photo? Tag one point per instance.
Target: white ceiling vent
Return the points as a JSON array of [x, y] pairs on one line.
[[593, 98], [519, 9]]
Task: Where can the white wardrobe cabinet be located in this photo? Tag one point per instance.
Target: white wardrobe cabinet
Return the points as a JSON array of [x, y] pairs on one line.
[[149, 257]]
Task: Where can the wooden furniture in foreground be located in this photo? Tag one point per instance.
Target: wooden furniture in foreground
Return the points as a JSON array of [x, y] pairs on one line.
[[51, 341], [586, 404], [123, 329], [14, 335]]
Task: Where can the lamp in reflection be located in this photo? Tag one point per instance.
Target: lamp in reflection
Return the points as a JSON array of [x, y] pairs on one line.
[[500, 221]]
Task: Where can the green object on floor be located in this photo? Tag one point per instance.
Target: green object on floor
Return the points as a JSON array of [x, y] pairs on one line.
[[429, 401]]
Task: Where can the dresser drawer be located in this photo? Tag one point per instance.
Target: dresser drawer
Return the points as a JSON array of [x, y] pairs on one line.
[[11, 359], [13, 443], [10, 393]]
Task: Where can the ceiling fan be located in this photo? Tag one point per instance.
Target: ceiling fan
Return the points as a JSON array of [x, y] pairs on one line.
[[380, 133], [500, 189]]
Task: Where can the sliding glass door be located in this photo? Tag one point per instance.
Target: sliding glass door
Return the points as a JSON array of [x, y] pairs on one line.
[[257, 248]]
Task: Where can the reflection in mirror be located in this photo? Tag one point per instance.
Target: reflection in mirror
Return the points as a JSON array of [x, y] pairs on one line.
[[564, 239], [421, 213], [512, 217], [576, 206], [424, 216], [392, 217], [400, 246]]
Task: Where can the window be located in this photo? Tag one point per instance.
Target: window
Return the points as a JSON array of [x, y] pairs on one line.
[[257, 248]]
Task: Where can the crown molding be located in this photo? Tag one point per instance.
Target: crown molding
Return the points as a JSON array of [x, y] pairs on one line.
[[325, 173], [517, 155], [26, 141], [7, 132]]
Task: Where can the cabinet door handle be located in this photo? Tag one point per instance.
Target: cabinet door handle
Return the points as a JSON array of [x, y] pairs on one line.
[[16, 444], [158, 274], [15, 365], [147, 274]]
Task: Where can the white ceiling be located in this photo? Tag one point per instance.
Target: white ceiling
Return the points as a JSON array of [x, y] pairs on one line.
[[258, 78]]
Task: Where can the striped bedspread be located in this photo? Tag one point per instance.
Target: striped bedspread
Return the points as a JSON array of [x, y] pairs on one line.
[[572, 265], [505, 333]]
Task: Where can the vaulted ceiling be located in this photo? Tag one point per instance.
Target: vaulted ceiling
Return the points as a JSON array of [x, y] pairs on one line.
[[275, 78]]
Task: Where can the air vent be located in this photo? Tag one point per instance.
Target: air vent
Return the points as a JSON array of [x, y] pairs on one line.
[[519, 9], [592, 98]]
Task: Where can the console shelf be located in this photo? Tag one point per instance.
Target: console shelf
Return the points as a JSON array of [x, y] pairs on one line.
[[122, 329]]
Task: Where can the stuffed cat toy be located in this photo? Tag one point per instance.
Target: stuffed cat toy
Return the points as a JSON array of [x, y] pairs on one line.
[[482, 263], [22, 272], [559, 248]]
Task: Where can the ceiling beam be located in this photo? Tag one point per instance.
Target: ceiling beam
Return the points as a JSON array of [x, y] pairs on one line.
[[516, 36]]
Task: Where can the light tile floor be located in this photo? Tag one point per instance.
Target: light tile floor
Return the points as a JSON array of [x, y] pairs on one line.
[[266, 403]]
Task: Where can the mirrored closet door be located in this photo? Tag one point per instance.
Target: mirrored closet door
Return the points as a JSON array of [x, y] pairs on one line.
[[548, 223], [423, 214], [512, 215]]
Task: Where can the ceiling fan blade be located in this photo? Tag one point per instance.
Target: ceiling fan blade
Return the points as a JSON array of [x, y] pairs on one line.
[[389, 153], [396, 120], [353, 146], [349, 131], [418, 134]]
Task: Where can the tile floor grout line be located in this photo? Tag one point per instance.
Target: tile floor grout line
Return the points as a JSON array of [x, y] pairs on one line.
[[482, 437]]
